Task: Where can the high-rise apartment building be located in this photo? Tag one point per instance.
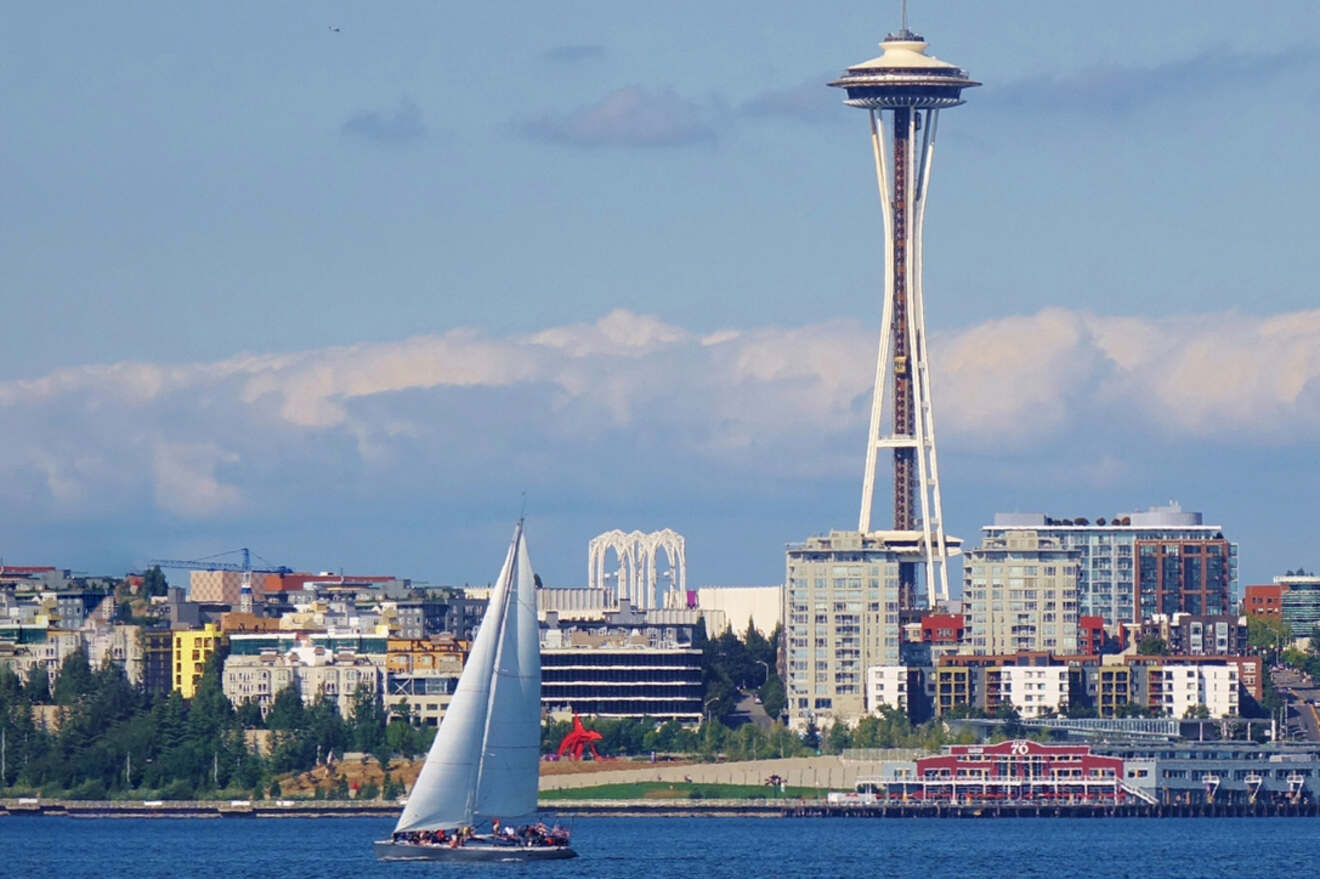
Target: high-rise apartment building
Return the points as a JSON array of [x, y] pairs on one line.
[[1107, 574], [1183, 576], [841, 603], [1021, 594]]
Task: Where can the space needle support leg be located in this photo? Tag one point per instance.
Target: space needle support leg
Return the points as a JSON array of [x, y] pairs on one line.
[[937, 550], [886, 323]]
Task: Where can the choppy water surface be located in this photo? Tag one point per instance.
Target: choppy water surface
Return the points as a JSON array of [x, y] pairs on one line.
[[693, 848]]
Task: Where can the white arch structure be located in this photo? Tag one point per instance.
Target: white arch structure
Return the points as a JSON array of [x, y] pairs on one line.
[[635, 579]]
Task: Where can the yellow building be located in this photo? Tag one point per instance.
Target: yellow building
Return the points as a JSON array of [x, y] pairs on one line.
[[192, 648]]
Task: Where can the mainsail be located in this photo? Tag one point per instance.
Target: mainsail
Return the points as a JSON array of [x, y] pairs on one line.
[[483, 762]]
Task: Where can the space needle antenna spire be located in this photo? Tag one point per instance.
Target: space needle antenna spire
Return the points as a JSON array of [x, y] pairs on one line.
[[903, 92]]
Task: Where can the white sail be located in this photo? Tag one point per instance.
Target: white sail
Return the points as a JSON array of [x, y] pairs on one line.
[[444, 795], [507, 781]]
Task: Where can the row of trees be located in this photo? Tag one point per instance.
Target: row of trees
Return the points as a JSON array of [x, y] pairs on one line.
[[91, 734]]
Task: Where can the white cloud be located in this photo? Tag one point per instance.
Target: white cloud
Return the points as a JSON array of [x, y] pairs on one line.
[[631, 116], [185, 480], [205, 440]]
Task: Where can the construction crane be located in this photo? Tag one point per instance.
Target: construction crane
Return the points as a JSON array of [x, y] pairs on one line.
[[212, 563]]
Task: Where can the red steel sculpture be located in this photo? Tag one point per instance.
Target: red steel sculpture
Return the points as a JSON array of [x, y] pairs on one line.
[[580, 737]]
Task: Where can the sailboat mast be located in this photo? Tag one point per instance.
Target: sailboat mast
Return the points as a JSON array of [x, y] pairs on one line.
[[506, 590]]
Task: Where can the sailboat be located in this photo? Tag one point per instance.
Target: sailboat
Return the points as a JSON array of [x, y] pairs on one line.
[[483, 767]]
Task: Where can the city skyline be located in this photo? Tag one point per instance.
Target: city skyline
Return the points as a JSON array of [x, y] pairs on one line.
[[342, 266]]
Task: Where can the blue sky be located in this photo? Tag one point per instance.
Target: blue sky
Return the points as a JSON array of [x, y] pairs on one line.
[[342, 295]]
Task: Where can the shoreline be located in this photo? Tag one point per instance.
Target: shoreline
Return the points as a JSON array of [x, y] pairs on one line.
[[213, 809]]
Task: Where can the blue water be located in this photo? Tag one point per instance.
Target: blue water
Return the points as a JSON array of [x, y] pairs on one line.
[[692, 848]]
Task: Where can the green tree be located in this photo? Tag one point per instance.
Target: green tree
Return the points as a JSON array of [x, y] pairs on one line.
[[1268, 634], [286, 711], [153, 583], [1152, 645], [37, 691], [811, 736], [838, 738], [11, 687], [75, 678], [367, 719], [553, 732], [1293, 657], [249, 715], [399, 738]]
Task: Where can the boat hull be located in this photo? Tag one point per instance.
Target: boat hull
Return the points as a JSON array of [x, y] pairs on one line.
[[475, 850]]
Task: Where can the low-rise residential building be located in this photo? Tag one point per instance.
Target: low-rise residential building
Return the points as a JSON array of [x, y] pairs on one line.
[[42, 647], [315, 671], [1180, 690], [117, 645], [1263, 600], [1113, 690], [416, 619], [422, 674], [254, 643], [890, 686], [1192, 635], [71, 608], [1033, 691], [1110, 685]]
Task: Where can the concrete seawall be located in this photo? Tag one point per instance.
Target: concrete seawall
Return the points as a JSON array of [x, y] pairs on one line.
[[769, 808], [833, 773], [198, 808]]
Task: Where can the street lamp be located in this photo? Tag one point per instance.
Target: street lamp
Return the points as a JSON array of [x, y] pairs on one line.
[[767, 671], [706, 708]]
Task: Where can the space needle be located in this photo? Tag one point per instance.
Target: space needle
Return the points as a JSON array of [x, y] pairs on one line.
[[903, 91]]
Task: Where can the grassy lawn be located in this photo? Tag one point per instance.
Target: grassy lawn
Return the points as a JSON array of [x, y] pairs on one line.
[[677, 790]]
